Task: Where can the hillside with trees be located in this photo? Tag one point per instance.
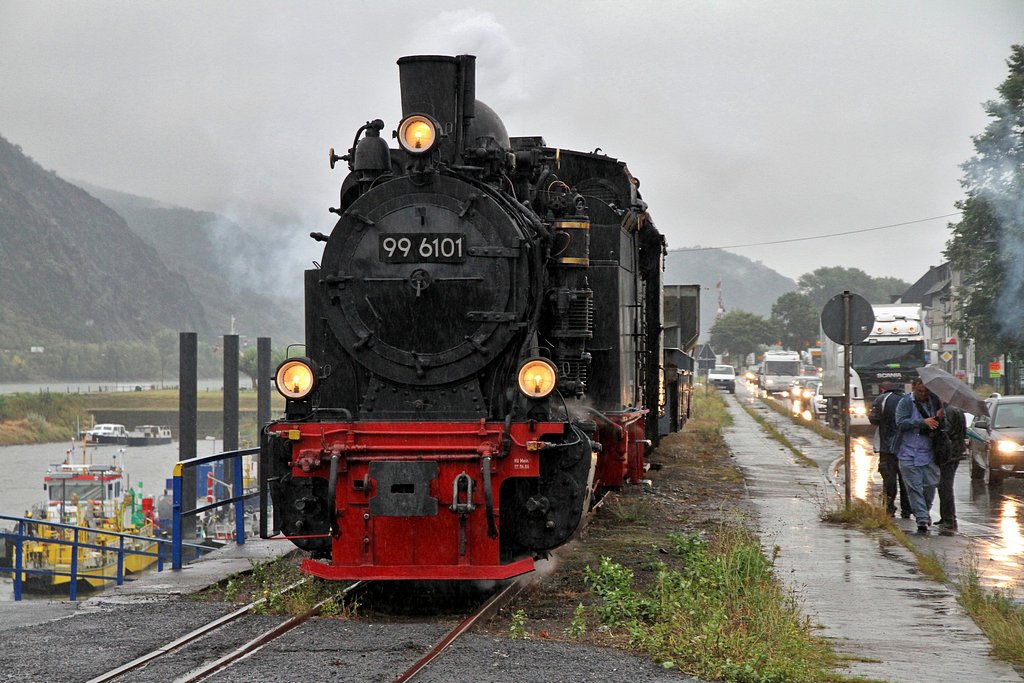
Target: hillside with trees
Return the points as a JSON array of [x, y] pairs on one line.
[[96, 284], [217, 256], [735, 282], [72, 270]]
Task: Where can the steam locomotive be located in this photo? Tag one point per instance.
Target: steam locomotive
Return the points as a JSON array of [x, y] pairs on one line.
[[483, 345]]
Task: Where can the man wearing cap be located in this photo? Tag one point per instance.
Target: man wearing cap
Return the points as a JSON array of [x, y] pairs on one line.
[[918, 414]]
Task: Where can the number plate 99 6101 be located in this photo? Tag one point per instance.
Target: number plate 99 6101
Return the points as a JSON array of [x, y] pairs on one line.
[[420, 247]]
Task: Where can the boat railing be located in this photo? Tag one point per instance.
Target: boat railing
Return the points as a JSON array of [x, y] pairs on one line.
[[79, 539], [181, 513]]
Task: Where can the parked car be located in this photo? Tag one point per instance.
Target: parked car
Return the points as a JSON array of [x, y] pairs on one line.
[[996, 441], [723, 377]]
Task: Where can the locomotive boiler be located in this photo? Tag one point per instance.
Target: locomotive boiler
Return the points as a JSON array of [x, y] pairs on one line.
[[482, 348]]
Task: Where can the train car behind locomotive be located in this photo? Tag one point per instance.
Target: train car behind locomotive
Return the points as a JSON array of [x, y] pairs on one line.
[[483, 348]]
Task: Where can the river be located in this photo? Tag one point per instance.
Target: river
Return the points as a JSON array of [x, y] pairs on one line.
[[22, 468]]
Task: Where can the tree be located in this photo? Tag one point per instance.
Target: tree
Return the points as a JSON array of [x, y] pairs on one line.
[[987, 245], [796, 320], [824, 283], [166, 343], [738, 333], [247, 362]]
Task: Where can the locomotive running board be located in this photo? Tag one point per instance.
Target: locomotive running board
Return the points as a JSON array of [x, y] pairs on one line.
[[417, 572]]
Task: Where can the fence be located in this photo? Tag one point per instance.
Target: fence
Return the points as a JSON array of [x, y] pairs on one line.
[[180, 514], [44, 553]]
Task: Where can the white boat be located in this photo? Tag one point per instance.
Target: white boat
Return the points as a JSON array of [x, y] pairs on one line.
[[107, 433]]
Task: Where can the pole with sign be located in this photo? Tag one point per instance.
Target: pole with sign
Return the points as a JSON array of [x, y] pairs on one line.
[[847, 319]]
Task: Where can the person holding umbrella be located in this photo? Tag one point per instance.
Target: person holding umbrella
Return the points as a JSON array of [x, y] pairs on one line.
[[917, 415]]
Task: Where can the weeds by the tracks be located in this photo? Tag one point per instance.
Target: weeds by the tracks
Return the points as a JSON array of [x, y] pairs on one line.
[[706, 602], [721, 616], [283, 589]]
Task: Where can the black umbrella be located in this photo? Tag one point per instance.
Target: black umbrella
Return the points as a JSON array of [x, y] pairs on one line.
[[952, 390]]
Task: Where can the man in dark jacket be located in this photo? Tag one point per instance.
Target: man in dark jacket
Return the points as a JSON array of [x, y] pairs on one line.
[[883, 414], [954, 424]]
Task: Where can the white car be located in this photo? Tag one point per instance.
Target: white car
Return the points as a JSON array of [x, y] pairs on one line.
[[723, 377]]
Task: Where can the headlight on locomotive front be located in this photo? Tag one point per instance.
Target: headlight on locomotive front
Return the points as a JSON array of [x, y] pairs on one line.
[[295, 378], [537, 377], [417, 134]]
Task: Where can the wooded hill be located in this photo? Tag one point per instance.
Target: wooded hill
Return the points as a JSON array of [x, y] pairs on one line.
[[77, 266], [745, 285]]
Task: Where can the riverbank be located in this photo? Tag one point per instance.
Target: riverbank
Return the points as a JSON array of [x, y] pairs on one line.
[[49, 417]]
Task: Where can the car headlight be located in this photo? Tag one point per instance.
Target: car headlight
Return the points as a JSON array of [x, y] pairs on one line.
[[858, 410], [537, 377], [417, 134], [1005, 446], [784, 394], [295, 378]]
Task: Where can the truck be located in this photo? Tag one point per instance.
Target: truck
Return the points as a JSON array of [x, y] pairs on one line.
[[893, 351], [778, 370]]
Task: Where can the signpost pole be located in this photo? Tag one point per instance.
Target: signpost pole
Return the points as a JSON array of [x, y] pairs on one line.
[[846, 319], [847, 352]]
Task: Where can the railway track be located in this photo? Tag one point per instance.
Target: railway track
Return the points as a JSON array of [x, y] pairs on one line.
[[187, 660], [221, 626]]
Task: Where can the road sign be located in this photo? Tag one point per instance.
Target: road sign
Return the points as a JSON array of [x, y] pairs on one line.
[[946, 356], [861, 320]]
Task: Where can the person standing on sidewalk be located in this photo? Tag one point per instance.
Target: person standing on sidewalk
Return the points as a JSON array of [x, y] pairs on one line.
[[918, 414], [883, 414], [955, 426]]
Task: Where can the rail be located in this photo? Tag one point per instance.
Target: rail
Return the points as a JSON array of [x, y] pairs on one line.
[[180, 514], [89, 546]]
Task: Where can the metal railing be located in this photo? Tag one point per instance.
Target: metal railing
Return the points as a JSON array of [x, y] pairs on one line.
[[44, 536], [238, 498]]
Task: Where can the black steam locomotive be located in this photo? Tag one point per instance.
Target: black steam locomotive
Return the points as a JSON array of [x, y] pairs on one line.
[[483, 345]]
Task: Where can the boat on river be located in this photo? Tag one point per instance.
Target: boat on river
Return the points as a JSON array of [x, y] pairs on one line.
[[149, 435], [96, 499], [106, 433]]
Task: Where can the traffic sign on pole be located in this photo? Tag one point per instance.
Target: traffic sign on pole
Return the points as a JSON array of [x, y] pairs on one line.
[[847, 319]]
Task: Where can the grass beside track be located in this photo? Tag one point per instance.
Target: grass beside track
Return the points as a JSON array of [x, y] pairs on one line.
[[718, 612]]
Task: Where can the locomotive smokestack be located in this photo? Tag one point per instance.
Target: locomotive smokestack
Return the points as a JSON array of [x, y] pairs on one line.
[[443, 88]]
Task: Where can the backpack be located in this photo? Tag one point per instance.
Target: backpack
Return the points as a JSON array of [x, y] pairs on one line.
[[875, 414]]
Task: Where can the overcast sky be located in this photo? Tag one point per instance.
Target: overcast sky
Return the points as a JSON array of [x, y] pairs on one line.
[[746, 122]]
